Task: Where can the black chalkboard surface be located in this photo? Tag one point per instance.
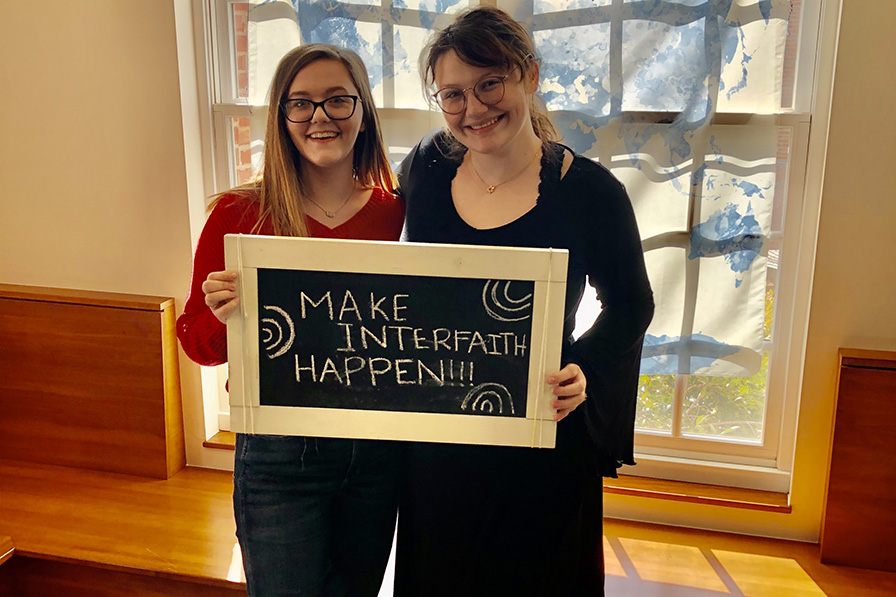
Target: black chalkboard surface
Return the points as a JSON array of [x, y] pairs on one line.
[[400, 343], [365, 339]]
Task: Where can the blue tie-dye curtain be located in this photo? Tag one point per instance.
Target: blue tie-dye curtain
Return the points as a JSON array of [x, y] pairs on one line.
[[640, 86]]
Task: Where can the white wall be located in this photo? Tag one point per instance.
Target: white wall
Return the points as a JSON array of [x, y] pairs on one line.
[[93, 188]]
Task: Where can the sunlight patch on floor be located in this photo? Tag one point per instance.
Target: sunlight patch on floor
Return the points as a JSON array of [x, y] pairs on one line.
[[767, 576], [681, 565], [612, 566]]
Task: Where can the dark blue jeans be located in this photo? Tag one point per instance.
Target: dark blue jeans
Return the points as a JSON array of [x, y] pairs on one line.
[[315, 516]]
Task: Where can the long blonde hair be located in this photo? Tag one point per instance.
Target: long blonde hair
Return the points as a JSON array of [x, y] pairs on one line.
[[487, 36], [280, 187]]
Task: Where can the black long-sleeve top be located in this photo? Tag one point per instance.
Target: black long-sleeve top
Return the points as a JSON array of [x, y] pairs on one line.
[[589, 213]]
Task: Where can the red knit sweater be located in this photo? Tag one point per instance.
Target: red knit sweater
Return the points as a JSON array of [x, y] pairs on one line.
[[203, 337]]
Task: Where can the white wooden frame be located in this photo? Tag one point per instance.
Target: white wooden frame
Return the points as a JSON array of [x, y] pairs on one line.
[[546, 268]]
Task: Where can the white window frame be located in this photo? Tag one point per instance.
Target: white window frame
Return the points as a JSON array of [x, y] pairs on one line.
[[704, 460], [736, 464]]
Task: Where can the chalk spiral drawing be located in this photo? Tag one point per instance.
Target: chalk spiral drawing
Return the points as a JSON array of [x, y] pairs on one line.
[[487, 398], [274, 342], [502, 307]]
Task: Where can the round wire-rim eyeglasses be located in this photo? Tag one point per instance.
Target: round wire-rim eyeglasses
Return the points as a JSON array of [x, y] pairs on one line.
[[334, 108], [488, 90]]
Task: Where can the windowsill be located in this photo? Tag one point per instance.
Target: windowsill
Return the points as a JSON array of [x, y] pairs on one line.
[[699, 493], [223, 440], [680, 491]]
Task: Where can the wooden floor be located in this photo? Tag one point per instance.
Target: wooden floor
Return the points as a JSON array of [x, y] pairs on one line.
[[654, 561], [74, 528]]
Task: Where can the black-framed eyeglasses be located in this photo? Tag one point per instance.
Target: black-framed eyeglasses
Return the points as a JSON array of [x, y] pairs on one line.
[[338, 107], [488, 90]]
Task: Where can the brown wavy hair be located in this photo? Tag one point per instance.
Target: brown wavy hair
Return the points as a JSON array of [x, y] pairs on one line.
[[279, 188], [488, 37]]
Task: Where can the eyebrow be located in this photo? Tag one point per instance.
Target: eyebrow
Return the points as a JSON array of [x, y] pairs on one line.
[[328, 91]]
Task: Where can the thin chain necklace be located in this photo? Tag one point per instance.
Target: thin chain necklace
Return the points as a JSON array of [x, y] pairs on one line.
[[490, 188], [332, 214]]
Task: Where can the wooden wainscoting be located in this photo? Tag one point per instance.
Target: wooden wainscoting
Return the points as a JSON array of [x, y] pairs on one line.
[[90, 380]]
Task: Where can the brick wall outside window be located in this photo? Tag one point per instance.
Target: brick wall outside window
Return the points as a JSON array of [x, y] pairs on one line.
[[242, 158]]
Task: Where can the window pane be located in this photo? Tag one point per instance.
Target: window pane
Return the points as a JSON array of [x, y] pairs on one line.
[[575, 62], [666, 269], [726, 407], [753, 51], [664, 67], [241, 143], [241, 49], [655, 393], [408, 43], [733, 407]]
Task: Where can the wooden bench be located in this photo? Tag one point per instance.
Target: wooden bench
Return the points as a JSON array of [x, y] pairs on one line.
[[94, 496], [90, 380]]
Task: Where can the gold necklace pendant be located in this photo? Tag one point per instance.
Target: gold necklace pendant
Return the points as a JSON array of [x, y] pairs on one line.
[[490, 188], [332, 214]]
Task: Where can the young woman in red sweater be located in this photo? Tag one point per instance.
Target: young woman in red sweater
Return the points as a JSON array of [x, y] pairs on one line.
[[314, 516]]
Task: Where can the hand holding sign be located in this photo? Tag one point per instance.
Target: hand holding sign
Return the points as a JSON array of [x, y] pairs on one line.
[[220, 294], [569, 384]]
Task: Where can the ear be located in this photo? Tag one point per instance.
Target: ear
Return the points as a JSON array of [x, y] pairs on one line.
[[530, 79]]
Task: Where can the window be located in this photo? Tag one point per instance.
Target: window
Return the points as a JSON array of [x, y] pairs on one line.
[[695, 106], [701, 108]]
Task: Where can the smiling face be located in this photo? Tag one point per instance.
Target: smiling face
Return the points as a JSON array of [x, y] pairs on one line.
[[488, 129], [323, 142]]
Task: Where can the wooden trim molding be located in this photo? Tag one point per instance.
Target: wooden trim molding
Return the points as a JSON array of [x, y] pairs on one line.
[[867, 359], [86, 297]]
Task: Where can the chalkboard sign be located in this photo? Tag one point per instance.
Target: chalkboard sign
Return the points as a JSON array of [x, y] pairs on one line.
[[402, 341]]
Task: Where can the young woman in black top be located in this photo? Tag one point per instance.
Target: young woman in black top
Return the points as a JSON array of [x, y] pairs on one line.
[[483, 520]]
